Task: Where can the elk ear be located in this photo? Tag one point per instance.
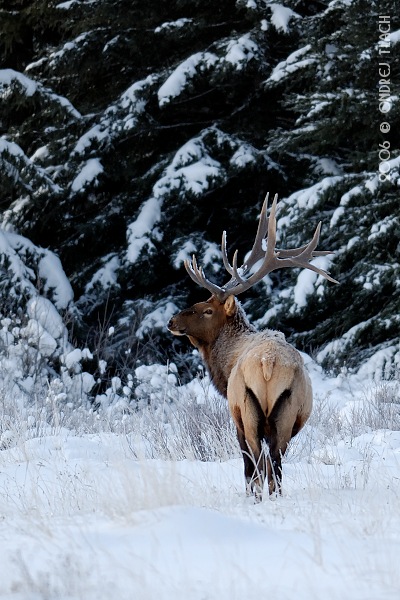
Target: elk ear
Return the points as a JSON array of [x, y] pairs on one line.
[[230, 306]]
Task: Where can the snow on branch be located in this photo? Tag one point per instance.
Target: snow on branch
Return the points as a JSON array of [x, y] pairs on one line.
[[88, 174], [10, 79], [23, 170], [240, 51], [234, 53], [140, 230], [172, 25], [121, 116], [191, 170], [309, 197], [25, 264], [185, 72], [300, 59], [281, 16]]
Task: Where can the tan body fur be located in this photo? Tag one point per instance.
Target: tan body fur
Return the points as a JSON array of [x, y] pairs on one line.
[[262, 376]]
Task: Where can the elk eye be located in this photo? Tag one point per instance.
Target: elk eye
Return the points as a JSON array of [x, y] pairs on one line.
[[208, 311]]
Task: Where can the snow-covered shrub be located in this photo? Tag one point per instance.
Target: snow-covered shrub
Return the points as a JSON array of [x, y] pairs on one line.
[[35, 351]]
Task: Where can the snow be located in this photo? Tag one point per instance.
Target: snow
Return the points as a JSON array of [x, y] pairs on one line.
[[96, 133], [308, 281], [101, 514], [344, 200], [244, 155], [18, 157], [9, 76], [107, 275], [54, 57], [40, 153], [211, 256], [380, 361], [394, 37], [54, 278], [72, 359], [157, 318], [38, 337], [88, 174], [67, 5], [178, 79], [20, 161], [17, 266], [11, 147], [171, 25], [237, 52], [131, 100], [241, 51], [120, 117], [149, 215], [291, 64], [198, 174], [281, 16], [50, 270], [379, 366], [382, 227], [308, 198], [192, 168], [43, 312], [185, 252]]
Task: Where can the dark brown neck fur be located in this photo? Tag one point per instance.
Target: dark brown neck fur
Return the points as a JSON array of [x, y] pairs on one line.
[[220, 355]]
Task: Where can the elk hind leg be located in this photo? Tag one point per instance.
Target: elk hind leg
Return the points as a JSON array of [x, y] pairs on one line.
[[253, 419], [279, 430]]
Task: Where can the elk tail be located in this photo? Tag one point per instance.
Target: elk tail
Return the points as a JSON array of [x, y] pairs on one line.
[[267, 364]]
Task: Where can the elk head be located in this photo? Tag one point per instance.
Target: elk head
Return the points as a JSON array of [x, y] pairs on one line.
[[203, 321]]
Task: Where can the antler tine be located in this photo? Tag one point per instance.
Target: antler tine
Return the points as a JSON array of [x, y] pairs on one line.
[[305, 253], [197, 275], [236, 273], [271, 239], [238, 284], [296, 251], [308, 252], [307, 265], [308, 249], [225, 259], [257, 251]]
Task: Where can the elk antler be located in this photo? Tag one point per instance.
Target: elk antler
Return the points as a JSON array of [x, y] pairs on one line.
[[263, 248]]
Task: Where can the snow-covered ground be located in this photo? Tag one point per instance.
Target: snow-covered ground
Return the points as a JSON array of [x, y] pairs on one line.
[[100, 510]]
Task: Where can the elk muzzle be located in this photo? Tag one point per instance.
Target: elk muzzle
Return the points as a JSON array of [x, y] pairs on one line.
[[175, 327]]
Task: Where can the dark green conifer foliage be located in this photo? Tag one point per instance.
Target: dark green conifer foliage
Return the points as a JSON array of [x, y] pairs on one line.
[[133, 133]]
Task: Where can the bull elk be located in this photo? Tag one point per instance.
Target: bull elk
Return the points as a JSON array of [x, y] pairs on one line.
[[262, 376]]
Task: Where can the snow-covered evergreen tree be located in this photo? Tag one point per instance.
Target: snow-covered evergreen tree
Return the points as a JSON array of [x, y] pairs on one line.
[[347, 163], [134, 133]]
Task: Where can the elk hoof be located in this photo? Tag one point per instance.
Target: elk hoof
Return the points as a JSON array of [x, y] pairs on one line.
[[254, 490]]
